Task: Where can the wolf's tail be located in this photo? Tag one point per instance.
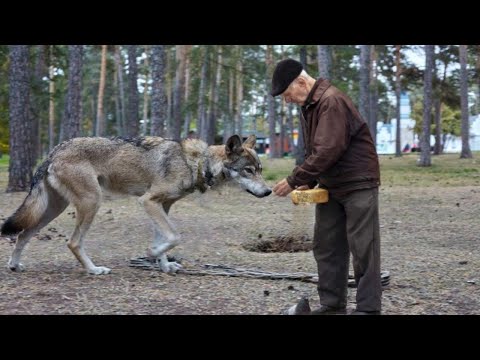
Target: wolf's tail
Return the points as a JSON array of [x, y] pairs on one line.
[[28, 215]]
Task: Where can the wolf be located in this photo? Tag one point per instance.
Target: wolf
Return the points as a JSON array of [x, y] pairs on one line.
[[158, 171]]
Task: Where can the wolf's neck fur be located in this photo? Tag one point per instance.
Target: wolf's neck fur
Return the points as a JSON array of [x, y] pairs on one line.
[[206, 163]]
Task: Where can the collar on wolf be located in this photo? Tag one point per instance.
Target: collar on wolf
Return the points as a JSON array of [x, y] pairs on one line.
[[205, 177]]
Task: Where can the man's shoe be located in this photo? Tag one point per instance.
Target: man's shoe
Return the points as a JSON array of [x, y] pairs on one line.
[[356, 312], [329, 310]]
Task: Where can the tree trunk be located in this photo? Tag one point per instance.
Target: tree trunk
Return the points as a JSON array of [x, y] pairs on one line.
[[145, 94], [51, 106], [239, 91], [20, 165], [116, 99], [425, 159], [372, 121], [291, 142], [201, 122], [119, 67], [466, 152], [215, 91], [364, 82], [159, 99], [181, 56], [478, 79], [100, 125], [73, 109], [36, 105], [437, 104], [324, 61], [282, 130], [300, 158], [227, 120], [398, 91], [186, 125], [131, 128], [271, 104]]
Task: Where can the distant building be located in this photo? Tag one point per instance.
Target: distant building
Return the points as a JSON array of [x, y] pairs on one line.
[[387, 133], [453, 144]]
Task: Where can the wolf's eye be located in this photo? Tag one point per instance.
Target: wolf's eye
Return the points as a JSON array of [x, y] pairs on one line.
[[248, 170]]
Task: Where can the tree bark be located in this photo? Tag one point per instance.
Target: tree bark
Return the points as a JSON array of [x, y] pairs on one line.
[[227, 123], [159, 98], [51, 106], [215, 91], [201, 121], [373, 98], [271, 104], [188, 113], [466, 153], [121, 87], [36, 104], [291, 128], [100, 125], [20, 165], [300, 158], [145, 94], [73, 110], [181, 55], [131, 128], [239, 91], [425, 158], [323, 61], [398, 91], [364, 82]]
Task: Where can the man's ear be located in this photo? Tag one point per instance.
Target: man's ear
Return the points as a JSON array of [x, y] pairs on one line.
[[233, 145], [250, 142]]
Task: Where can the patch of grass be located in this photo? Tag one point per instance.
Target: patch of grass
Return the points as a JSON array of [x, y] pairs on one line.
[[446, 170], [276, 169], [4, 162]]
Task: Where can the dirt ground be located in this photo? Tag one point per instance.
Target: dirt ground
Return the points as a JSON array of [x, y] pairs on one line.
[[430, 246]]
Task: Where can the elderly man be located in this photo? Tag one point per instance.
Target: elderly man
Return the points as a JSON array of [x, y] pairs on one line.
[[340, 157]]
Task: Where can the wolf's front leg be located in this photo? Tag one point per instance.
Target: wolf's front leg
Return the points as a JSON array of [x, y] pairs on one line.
[[166, 237], [156, 250]]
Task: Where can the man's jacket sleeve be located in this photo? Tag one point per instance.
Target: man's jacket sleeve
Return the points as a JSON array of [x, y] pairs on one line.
[[330, 142]]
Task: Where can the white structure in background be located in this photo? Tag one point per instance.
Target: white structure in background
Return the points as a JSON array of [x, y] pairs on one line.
[[453, 144], [387, 133]]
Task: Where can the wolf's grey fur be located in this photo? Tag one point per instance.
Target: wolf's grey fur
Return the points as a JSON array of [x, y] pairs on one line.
[[156, 170]]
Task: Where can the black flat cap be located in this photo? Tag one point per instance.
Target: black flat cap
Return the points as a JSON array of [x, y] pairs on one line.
[[285, 72]]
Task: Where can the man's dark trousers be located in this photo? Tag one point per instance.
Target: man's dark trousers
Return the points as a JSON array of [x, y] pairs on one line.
[[345, 224]]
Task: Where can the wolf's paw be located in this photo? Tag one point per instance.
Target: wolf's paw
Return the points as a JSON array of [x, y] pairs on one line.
[[15, 267], [170, 266], [99, 270]]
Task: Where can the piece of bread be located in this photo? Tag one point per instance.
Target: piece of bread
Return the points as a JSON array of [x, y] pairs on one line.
[[311, 196]]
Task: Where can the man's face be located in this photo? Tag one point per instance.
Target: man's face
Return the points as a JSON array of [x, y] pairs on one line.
[[296, 92]]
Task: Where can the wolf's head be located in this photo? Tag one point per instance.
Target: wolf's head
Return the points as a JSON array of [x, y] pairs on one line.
[[244, 166]]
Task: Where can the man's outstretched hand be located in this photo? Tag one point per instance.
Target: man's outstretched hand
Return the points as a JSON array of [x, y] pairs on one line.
[[283, 189]]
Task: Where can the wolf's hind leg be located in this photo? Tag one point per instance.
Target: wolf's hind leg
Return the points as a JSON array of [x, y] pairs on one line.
[[87, 208], [56, 205], [166, 237]]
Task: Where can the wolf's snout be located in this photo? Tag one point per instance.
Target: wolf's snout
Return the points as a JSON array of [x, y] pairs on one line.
[[268, 192]]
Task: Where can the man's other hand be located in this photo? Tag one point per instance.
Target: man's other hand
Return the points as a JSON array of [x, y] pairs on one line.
[[282, 188]]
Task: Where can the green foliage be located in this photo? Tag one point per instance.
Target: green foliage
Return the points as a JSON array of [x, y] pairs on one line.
[[450, 118], [451, 121]]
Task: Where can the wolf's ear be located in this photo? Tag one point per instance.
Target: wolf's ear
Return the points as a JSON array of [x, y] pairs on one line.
[[233, 145], [250, 142]]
